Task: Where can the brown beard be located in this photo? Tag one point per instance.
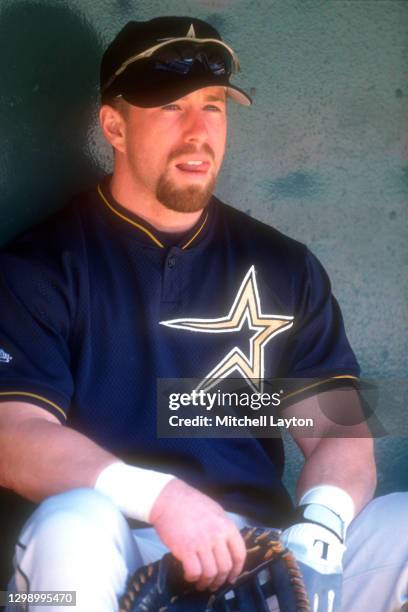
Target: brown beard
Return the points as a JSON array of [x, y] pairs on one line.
[[186, 199]]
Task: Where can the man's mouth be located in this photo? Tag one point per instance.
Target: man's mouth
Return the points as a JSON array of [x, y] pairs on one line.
[[194, 166]]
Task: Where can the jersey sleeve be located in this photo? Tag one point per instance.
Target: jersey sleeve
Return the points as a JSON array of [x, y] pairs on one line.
[[35, 327], [318, 347]]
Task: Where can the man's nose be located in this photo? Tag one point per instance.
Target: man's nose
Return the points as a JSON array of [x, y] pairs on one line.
[[196, 128]]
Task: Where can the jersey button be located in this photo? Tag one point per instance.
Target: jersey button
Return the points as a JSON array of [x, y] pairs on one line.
[[171, 262]]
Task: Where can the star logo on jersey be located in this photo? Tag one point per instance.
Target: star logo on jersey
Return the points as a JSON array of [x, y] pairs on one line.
[[246, 308]]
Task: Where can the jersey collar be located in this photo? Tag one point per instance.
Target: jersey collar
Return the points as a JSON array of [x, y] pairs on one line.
[[145, 230]]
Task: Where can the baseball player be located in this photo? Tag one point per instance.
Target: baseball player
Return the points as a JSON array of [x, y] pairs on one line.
[[151, 276]]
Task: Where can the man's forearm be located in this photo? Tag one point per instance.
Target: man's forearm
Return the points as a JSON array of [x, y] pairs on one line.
[[41, 458], [343, 462]]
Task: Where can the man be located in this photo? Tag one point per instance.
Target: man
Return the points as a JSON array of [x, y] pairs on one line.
[[151, 277]]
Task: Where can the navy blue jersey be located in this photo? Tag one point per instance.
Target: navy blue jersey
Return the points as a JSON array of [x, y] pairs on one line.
[[96, 305]]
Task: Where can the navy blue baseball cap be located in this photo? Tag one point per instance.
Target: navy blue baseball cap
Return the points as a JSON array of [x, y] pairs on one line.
[[152, 63]]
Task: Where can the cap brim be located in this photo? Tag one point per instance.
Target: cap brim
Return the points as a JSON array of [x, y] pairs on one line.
[[239, 95], [147, 89]]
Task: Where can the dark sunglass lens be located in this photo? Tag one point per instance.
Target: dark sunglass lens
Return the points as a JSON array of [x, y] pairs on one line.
[[218, 69], [220, 63], [178, 66], [182, 59], [212, 64]]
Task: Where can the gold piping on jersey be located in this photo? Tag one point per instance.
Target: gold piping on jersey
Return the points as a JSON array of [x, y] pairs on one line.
[[197, 232], [144, 229], [320, 382], [39, 397]]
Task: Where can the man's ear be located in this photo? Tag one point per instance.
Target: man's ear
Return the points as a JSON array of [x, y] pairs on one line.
[[113, 126]]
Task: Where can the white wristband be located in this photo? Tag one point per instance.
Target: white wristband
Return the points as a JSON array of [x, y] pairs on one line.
[[334, 498], [134, 490]]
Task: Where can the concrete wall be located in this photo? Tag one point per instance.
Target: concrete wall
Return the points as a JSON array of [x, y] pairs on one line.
[[322, 154]]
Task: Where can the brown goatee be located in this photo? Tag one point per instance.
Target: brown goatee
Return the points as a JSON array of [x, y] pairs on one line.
[[184, 199], [190, 198]]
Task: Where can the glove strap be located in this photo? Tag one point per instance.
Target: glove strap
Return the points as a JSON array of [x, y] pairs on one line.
[[320, 515]]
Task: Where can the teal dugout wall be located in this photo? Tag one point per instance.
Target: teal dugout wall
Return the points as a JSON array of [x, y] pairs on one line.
[[322, 154]]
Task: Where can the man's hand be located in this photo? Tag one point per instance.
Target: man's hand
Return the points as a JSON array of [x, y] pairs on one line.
[[199, 534], [319, 554]]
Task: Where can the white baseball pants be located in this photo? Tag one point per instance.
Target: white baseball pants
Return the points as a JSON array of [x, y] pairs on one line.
[[79, 541]]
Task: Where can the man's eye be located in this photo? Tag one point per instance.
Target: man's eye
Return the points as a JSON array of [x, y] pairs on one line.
[[212, 107], [171, 107]]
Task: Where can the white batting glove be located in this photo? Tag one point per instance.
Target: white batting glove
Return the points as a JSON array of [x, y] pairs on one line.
[[317, 541]]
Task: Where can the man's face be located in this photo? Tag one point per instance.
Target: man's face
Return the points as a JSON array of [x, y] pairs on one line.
[[175, 151]]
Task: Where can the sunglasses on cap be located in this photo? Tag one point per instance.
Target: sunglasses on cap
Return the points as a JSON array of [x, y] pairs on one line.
[[183, 58]]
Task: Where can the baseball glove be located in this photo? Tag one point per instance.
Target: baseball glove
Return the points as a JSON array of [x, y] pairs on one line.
[[269, 570]]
